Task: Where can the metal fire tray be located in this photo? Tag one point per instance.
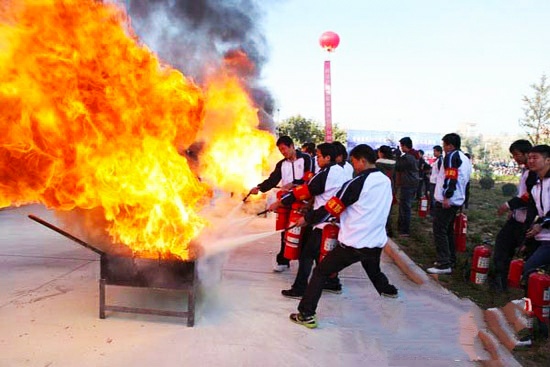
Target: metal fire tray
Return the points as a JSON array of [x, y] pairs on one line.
[[148, 273], [165, 274]]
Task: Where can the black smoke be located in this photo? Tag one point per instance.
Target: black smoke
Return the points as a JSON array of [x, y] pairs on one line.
[[196, 35]]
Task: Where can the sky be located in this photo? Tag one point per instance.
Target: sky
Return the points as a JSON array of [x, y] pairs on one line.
[[408, 65]]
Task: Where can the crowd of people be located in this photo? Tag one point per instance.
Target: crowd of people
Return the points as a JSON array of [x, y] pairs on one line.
[[359, 193]]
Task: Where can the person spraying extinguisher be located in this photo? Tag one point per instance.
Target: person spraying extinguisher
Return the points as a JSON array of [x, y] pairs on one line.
[[294, 169], [321, 187]]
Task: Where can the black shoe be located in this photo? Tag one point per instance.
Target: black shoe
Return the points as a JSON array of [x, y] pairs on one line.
[[308, 321], [333, 288], [292, 293], [390, 292]]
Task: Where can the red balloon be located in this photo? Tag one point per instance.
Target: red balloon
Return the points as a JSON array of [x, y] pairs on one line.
[[329, 41]]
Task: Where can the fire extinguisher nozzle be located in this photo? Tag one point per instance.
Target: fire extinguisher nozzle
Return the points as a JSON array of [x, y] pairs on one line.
[[263, 212], [246, 197]]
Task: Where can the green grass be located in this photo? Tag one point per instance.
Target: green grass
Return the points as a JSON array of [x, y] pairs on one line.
[[483, 225]]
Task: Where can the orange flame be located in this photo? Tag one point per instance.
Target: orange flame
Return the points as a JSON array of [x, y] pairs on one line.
[[90, 119], [235, 153]]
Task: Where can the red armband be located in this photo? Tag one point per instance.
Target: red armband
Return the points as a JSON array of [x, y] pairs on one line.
[[308, 175], [301, 192], [525, 197], [335, 207], [451, 173]]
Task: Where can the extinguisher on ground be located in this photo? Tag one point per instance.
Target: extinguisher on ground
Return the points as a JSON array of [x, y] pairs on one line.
[[528, 311], [460, 230], [538, 290], [293, 236], [329, 239], [423, 207], [514, 273], [480, 264]]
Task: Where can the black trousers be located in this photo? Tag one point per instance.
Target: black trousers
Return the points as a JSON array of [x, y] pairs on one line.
[[309, 254], [432, 198], [508, 240], [443, 230], [336, 260]]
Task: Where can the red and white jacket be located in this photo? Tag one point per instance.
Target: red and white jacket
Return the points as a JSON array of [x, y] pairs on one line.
[[540, 194], [286, 172], [453, 178], [363, 205]]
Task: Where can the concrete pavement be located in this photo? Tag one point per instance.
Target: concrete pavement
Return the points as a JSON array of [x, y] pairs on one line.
[[49, 312]]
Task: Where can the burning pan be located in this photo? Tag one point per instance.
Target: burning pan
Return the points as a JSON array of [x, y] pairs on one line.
[[168, 274]]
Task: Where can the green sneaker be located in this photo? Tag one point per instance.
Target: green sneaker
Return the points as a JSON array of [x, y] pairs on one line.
[[308, 321]]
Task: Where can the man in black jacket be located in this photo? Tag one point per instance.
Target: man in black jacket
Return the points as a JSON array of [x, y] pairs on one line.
[[407, 178], [290, 171]]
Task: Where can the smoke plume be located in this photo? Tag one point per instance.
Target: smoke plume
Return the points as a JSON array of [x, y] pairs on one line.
[[196, 36]]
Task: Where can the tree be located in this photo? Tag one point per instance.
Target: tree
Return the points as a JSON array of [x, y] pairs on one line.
[[469, 144], [303, 130], [537, 113], [339, 134]]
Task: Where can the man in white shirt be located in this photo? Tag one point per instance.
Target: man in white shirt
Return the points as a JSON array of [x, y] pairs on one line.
[[450, 194], [362, 204]]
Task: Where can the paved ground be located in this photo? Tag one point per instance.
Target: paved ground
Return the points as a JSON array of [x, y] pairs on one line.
[[49, 313]]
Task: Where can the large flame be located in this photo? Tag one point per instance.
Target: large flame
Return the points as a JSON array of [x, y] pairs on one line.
[[239, 145], [90, 119]]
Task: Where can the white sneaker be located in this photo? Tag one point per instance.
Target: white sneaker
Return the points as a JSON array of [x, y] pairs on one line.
[[437, 270], [524, 342], [280, 268]]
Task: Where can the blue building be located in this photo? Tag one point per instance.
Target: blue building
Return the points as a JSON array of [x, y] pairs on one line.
[[376, 138]]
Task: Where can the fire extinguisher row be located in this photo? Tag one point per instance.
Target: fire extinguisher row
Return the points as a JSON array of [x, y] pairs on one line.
[[538, 284]]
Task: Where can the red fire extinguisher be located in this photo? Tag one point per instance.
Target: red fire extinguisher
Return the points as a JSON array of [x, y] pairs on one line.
[[329, 239], [423, 207], [282, 214], [538, 290], [514, 273], [528, 311], [460, 229], [293, 237], [480, 264]]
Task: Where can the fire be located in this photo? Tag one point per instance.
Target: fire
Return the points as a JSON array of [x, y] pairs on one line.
[[240, 146], [91, 119]]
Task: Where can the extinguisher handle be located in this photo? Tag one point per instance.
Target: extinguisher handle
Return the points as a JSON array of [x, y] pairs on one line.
[[263, 212], [289, 228]]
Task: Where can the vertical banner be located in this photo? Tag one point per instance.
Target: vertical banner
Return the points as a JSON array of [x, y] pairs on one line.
[[328, 104]]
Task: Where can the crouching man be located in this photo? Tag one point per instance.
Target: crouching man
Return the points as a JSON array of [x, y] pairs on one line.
[[362, 204]]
